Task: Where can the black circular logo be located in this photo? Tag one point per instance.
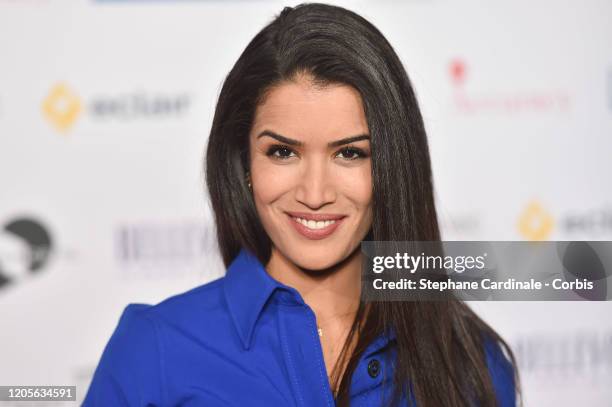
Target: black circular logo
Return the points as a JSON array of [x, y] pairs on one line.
[[25, 248]]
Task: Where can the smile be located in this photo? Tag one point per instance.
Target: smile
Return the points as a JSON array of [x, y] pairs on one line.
[[311, 224], [315, 226]]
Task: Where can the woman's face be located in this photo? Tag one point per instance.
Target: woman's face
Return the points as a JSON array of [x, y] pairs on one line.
[[311, 171]]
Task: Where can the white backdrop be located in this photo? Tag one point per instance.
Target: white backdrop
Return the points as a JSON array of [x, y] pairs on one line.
[[105, 108]]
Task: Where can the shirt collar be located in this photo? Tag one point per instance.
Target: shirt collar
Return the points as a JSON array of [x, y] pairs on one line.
[[248, 287], [380, 342]]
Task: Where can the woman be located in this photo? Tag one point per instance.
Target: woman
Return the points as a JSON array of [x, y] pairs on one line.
[[317, 144]]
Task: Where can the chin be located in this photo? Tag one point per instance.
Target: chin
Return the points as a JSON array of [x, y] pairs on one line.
[[316, 260]]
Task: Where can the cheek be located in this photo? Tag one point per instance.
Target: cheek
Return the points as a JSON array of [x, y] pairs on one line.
[[356, 184], [270, 182]]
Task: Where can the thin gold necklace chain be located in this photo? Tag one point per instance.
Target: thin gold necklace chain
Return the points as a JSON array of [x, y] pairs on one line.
[[320, 330]]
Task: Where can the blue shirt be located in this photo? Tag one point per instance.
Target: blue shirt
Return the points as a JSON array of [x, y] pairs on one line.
[[241, 340]]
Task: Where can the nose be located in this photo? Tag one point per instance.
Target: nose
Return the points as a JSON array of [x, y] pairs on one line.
[[315, 187]]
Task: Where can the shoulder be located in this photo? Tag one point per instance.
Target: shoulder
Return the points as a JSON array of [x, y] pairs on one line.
[[130, 370], [502, 373], [199, 302], [128, 373]]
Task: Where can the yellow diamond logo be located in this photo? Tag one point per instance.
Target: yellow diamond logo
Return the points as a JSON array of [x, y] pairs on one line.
[[535, 223], [61, 107]]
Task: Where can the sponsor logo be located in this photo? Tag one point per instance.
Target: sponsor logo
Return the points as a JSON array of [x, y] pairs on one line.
[[139, 105], [25, 249], [459, 225], [584, 355], [467, 101], [537, 223], [166, 249], [63, 106]]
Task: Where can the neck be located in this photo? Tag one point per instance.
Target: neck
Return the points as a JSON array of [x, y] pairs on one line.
[[333, 293]]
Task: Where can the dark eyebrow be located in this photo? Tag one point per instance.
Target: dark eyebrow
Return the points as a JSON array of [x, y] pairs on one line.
[[297, 143]]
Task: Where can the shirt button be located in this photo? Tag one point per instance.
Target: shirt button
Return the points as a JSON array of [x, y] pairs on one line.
[[374, 368]]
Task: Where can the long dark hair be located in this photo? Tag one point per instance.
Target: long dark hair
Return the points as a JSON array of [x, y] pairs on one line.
[[440, 356]]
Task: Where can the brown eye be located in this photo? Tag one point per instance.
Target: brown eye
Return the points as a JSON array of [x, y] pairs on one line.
[[351, 153], [280, 152]]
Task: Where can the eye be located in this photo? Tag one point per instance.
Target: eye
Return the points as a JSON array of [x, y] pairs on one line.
[[351, 153], [280, 152]]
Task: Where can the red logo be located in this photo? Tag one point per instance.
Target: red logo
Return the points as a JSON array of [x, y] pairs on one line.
[[457, 72], [514, 102]]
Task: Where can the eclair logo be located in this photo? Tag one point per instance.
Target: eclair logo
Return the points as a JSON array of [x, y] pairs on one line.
[[61, 107], [535, 223]]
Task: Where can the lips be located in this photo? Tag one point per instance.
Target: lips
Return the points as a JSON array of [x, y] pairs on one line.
[[316, 216], [315, 226]]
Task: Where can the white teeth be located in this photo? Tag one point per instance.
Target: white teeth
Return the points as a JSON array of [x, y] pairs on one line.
[[312, 224]]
